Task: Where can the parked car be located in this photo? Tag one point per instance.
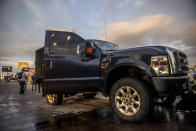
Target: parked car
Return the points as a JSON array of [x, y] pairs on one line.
[[132, 78]]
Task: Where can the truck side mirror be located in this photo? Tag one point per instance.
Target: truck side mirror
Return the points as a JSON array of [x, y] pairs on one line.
[[90, 49], [81, 50]]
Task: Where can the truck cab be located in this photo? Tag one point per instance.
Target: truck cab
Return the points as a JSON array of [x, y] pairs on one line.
[[132, 78]]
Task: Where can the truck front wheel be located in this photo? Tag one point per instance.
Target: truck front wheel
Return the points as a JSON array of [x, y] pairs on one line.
[[54, 99], [130, 100]]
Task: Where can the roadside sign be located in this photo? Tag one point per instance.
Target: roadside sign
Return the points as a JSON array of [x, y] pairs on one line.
[[21, 65], [6, 68]]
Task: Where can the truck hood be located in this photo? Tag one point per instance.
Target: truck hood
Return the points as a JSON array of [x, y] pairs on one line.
[[140, 53], [150, 50]]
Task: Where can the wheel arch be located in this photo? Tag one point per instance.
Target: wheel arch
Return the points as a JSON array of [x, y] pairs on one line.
[[133, 70]]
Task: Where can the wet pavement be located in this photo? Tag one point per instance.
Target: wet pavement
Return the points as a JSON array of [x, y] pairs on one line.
[[31, 112]]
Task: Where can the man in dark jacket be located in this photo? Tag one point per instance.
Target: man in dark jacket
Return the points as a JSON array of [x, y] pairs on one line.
[[38, 81], [33, 77], [22, 81]]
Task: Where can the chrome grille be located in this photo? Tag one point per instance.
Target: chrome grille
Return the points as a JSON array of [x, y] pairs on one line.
[[183, 59], [183, 62], [179, 61]]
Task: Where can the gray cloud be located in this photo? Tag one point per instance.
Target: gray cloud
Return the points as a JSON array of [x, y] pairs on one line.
[[154, 30], [3, 59], [137, 32], [11, 54], [183, 10], [20, 50], [188, 35]]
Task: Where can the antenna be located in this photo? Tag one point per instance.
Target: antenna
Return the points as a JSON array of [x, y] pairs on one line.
[[105, 29]]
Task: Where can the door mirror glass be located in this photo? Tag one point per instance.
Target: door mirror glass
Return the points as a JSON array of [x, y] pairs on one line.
[[85, 49], [90, 49], [80, 50]]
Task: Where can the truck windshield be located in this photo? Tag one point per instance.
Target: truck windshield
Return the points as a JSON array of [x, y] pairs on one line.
[[106, 46]]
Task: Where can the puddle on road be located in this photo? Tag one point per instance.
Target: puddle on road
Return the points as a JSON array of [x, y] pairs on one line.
[[13, 110], [14, 104], [29, 102], [179, 117], [10, 104], [11, 98], [103, 119], [4, 105]]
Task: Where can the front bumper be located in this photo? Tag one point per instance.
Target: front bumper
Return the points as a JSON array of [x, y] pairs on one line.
[[168, 85]]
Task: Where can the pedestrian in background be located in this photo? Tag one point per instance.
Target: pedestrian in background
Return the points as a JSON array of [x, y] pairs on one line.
[[33, 77], [22, 81], [38, 81]]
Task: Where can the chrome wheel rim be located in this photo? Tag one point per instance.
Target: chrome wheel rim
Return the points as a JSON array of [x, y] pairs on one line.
[[127, 100], [50, 98]]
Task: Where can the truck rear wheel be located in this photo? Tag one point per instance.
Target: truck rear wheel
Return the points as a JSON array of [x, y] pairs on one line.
[[130, 100], [54, 99], [90, 95]]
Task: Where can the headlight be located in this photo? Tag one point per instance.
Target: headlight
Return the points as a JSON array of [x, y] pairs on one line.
[[160, 65]]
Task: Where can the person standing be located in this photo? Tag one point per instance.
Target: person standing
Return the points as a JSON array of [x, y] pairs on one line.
[[38, 81], [22, 81], [33, 77]]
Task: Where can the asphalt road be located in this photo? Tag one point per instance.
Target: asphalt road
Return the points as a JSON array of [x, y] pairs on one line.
[[31, 112]]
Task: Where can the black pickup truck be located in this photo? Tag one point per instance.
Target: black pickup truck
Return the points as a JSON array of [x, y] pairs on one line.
[[132, 78]]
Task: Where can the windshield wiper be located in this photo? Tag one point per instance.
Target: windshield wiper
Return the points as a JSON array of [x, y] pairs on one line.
[[110, 50]]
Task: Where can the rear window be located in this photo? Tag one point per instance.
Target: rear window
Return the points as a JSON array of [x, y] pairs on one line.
[[63, 43]]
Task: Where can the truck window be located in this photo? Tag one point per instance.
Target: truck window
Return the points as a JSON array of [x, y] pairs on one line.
[[63, 43], [106, 46]]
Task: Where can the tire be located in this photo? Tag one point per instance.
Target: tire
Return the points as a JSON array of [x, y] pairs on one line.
[[89, 95], [133, 106], [54, 99]]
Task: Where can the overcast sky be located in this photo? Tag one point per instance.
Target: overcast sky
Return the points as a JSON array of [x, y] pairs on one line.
[[130, 23]]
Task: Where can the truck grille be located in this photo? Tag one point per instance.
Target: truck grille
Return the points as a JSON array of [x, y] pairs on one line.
[[181, 62]]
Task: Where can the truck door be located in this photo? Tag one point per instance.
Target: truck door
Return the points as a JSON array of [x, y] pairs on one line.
[[65, 71]]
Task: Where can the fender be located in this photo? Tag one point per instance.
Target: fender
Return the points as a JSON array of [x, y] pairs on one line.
[[125, 62], [131, 62]]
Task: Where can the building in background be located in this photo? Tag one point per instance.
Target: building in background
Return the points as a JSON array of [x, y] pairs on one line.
[[2, 76], [6, 73]]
